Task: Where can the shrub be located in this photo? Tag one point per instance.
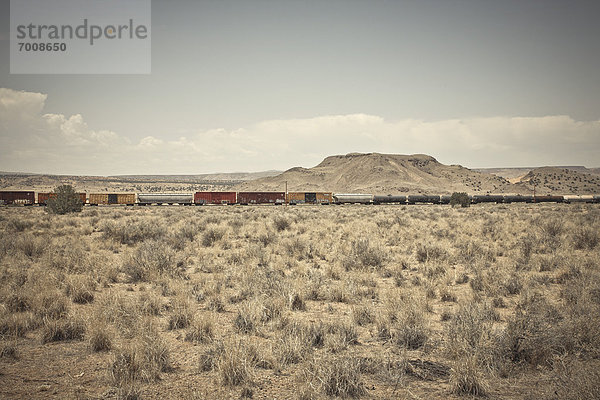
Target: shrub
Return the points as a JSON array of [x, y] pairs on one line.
[[68, 328], [281, 223], [99, 336], [64, 201], [151, 259], [236, 362], [460, 199], [212, 235], [466, 379], [201, 330], [586, 238], [337, 376], [182, 314]]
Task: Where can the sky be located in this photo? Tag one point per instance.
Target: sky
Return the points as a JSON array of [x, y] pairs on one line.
[[262, 85]]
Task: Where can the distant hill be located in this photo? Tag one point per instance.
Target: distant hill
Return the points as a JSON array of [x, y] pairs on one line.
[[384, 174], [561, 180], [514, 175], [220, 176], [128, 183]]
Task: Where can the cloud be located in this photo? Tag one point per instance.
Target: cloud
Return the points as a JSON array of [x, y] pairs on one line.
[[32, 141]]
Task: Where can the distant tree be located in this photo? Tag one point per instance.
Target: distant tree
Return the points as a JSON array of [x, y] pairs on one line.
[[64, 201], [460, 198]]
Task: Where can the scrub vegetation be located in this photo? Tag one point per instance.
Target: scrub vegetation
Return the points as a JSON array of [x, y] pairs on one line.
[[305, 302]]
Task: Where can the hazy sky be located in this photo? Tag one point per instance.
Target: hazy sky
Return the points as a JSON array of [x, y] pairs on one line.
[[256, 85]]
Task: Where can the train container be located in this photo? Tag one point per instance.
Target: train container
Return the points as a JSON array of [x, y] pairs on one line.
[[215, 198], [585, 198], [17, 197], [43, 197], [423, 198], [111, 198], [488, 198], [548, 199], [309, 198], [165, 198], [381, 199], [518, 198], [261, 197], [360, 198]]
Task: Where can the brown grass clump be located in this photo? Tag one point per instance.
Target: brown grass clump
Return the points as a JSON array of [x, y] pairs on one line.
[[100, 336], [182, 313], [336, 376], [149, 261], [466, 378], [66, 328], [201, 329], [236, 363], [80, 289]]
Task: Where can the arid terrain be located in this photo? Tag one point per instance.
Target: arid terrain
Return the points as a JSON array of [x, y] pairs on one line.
[[301, 302], [355, 172], [128, 183]]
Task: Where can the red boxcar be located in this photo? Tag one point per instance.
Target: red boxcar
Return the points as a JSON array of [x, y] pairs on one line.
[[43, 197], [17, 198], [214, 198], [261, 198]]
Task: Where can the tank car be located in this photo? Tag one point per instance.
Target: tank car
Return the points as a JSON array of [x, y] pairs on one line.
[[387, 199], [488, 198], [359, 198], [509, 198], [423, 198]]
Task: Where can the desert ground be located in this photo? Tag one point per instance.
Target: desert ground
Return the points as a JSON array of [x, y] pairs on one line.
[[301, 302]]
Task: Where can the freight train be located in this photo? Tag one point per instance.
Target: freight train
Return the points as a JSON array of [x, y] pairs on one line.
[[278, 198]]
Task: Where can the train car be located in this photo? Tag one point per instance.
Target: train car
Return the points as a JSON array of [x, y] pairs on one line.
[[597, 199], [423, 198], [488, 198], [389, 199], [165, 198], [215, 198], [508, 198], [112, 198], [341, 198], [17, 197], [582, 198], [261, 198], [43, 197], [548, 199], [445, 199], [309, 198]]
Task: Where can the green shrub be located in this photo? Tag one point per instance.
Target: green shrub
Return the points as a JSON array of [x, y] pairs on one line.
[[460, 199], [65, 201]]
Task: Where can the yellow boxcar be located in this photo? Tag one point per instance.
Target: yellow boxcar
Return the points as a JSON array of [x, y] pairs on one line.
[[98, 198], [126, 198], [324, 197], [295, 198], [309, 197]]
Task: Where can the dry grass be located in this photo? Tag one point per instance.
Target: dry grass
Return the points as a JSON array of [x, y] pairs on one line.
[[302, 302]]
